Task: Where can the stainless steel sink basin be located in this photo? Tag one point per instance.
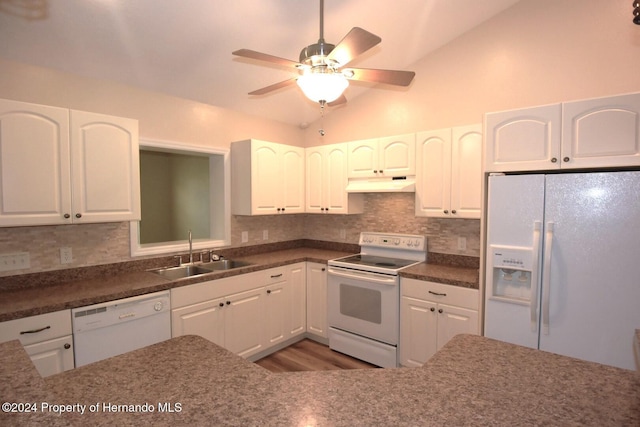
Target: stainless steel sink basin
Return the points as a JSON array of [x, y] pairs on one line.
[[173, 273], [224, 264]]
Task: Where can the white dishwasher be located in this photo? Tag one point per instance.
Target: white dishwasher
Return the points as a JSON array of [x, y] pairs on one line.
[[108, 329]]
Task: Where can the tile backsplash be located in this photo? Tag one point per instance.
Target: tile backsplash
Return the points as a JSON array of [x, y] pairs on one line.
[[95, 244]]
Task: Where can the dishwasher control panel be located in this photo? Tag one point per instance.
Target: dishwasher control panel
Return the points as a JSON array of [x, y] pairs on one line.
[[119, 311]]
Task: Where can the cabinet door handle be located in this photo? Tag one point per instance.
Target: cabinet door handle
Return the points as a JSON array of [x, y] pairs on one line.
[[446, 211], [268, 291], [433, 309], [566, 159], [35, 331], [440, 311], [228, 302], [78, 215], [554, 160], [221, 304], [67, 216], [437, 293], [453, 211], [323, 269], [67, 346], [275, 276]]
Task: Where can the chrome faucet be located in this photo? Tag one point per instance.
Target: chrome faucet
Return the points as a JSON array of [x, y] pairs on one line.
[[190, 248]]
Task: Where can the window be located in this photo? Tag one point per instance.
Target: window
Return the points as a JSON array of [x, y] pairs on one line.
[[182, 188]]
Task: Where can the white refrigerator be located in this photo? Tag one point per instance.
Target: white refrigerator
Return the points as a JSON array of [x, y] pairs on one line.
[[563, 263]]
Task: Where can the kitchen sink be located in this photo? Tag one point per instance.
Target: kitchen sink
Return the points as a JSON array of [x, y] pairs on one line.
[[173, 273], [224, 264]]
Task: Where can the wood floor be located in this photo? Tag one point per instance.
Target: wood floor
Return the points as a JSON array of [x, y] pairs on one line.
[[308, 355]]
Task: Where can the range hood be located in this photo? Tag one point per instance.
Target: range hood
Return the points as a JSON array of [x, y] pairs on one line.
[[403, 184]]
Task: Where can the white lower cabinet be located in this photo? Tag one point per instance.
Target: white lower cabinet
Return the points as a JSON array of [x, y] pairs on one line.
[[245, 314], [430, 315], [317, 299], [47, 339]]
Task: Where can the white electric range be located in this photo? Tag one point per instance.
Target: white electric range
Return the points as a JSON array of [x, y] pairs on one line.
[[364, 296]]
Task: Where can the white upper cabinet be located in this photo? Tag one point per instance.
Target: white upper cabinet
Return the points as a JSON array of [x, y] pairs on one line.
[[267, 178], [327, 180], [449, 172], [525, 139], [60, 167], [602, 132], [105, 168], [382, 157]]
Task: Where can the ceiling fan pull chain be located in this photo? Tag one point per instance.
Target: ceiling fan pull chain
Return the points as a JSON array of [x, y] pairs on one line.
[[321, 130]]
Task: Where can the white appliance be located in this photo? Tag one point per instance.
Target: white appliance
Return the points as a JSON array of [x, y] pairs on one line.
[[116, 327], [563, 263], [364, 296]]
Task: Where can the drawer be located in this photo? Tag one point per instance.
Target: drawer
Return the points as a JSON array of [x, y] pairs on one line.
[[274, 275], [30, 330], [440, 293]]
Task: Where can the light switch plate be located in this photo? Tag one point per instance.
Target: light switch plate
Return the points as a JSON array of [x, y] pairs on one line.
[[15, 261]]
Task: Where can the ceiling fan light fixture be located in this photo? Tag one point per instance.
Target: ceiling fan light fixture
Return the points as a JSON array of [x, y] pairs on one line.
[[322, 86]]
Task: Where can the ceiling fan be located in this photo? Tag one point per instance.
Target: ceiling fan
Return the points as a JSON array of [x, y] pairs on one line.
[[321, 67]]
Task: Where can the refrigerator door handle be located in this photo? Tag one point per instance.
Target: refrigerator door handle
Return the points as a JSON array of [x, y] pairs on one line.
[[535, 269], [546, 277]]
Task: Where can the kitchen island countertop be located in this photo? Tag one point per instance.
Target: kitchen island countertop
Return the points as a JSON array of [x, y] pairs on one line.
[[471, 381]]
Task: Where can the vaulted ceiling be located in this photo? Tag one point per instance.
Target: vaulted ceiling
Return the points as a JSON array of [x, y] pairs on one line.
[[183, 47]]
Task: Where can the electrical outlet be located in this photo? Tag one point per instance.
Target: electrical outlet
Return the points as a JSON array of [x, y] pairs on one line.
[[245, 236], [16, 261], [66, 256], [265, 234], [462, 243], [343, 233]]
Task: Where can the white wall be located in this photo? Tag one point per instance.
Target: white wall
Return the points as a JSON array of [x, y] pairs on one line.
[[160, 117], [536, 52]]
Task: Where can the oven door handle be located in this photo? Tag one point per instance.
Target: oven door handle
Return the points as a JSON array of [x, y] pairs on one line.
[[364, 275]]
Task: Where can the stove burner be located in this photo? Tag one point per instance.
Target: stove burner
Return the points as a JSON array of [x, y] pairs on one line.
[[385, 264]]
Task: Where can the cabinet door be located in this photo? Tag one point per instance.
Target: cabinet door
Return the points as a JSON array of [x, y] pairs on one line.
[[277, 310], [336, 198], [34, 164], [317, 299], [397, 155], [603, 132], [266, 176], [466, 171], [291, 187], [244, 320], [433, 177], [105, 168], [205, 319], [315, 179], [298, 300], [521, 140], [363, 158], [53, 356], [453, 321], [418, 331]]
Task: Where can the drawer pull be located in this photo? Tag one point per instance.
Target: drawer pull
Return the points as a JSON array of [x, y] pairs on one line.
[[35, 331], [438, 293], [275, 276]]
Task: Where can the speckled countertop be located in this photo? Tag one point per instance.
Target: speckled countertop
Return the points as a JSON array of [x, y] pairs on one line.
[[471, 381], [35, 294]]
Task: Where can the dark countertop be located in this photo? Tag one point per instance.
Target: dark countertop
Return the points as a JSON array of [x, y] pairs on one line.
[[472, 381], [449, 275], [24, 301]]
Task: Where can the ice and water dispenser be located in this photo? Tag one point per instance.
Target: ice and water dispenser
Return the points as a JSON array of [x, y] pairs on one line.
[[512, 269]]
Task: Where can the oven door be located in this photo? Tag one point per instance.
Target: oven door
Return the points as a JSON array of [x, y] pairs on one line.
[[364, 303]]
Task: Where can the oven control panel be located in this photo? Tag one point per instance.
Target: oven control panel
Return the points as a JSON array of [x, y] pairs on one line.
[[393, 240]]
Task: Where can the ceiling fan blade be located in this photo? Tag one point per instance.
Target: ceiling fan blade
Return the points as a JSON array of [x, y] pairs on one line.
[[274, 86], [252, 54], [341, 100], [391, 77], [355, 43]]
